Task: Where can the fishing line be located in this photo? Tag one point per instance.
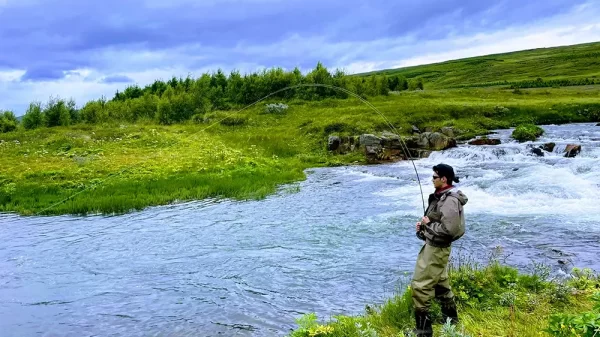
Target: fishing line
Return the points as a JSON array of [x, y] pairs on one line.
[[403, 146]]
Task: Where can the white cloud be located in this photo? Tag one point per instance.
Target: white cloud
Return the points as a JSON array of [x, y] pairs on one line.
[[577, 26]]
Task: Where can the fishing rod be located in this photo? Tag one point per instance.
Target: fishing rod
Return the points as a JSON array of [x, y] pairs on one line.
[[403, 146]]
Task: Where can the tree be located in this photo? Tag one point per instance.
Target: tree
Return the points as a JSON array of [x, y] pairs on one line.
[[34, 117], [56, 113], [8, 121]]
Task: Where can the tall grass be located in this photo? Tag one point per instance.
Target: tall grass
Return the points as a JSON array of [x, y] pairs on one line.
[[494, 299]]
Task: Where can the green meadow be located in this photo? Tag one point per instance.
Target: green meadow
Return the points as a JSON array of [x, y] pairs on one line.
[[122, 166]]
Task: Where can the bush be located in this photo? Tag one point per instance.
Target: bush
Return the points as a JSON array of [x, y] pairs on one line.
[[527, 132], [8, 122], [586, 324], [33, 118], [57, 112]]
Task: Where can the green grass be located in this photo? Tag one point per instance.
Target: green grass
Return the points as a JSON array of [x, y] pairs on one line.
[[568, 62], [132, 166], [493, 300]]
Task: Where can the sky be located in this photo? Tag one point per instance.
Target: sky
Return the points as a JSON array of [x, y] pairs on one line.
[[86, 49]]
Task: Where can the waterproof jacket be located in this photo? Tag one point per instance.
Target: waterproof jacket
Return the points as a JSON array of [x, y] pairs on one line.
[[447, 217]]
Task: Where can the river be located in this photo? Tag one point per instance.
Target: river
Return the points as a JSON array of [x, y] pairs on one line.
[[340, 240]]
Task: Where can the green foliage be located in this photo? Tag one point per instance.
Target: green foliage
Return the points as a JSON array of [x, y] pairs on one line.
[[586, 324], [8, 121], [34, 118], [527, 132], [57, 112]]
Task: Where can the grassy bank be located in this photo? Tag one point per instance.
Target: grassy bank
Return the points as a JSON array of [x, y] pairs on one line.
[[121, 167], [563, 65], [493, 300]]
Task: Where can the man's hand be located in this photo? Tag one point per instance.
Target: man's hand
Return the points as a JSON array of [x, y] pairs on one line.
[[418, 226], [425, 220]]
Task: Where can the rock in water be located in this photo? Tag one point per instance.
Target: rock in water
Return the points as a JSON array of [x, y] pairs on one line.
[[485, 141], [538, 151], [572, 150], [438, 141], [548, 147]]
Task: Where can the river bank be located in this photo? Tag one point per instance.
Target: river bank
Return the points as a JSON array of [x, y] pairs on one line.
[[87, 169]]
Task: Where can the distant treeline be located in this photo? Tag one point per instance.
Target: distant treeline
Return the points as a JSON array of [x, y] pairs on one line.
[[537, 83], [179, 99]]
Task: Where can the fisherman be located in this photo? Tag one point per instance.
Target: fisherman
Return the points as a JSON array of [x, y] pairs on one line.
[[442, 224]]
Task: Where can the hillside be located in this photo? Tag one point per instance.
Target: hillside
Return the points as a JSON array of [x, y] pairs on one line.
[[567, 62]]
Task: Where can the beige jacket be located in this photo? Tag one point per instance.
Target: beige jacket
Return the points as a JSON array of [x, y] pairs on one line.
[[447, 218]]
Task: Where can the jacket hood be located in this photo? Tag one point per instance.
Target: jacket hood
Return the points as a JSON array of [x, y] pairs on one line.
[[458, 194]]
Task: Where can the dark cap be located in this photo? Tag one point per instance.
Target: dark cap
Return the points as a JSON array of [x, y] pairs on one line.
[[444, 170]]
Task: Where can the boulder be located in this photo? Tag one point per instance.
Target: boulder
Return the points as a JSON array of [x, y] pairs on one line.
[[448, 131], [537, 151], [428, 129], [598, 124], [423, 140], [415, 129], [369, 140], [391, 141], [373, 153], [485, 141], [572, 150], [548, 147], [438, 141], [333, 143]]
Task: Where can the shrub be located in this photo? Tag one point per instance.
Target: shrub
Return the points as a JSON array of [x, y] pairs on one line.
[[526, 132], [586, 324], [33, 117], [8, 122]]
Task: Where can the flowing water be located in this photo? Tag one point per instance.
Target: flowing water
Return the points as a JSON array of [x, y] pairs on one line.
[[340, 240]]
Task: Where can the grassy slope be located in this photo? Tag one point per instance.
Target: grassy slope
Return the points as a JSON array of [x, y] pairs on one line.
[[577, 61], [152, 165]]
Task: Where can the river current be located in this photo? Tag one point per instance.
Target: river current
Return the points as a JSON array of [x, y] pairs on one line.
[[339, 240]]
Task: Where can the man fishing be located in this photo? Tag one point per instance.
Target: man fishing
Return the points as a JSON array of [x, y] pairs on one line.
[[442, 224]]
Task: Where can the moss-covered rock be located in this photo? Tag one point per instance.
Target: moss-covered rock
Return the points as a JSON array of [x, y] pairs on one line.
[[527, 132]]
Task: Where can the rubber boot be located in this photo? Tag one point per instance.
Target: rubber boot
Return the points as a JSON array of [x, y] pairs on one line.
[[423, 324], [449, 311]]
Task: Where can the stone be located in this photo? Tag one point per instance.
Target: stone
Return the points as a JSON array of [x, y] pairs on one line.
[[438, 141], [369, 140], [548, 147], [598, 124], [428, 129], [391, 141], [572, 150], [415, 129], [333, 143], [485, 141], [537, 151], [448, 131]]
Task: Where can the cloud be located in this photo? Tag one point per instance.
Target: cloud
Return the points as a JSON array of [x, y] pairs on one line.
[[63, 45], [117, 79], [42, 73]]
